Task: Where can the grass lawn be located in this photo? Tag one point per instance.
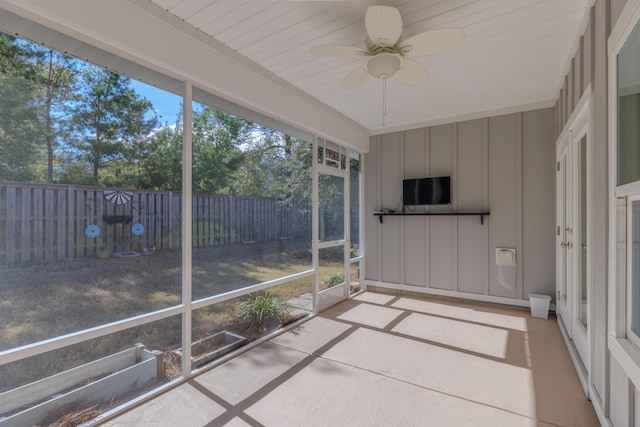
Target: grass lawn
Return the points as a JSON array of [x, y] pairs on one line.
[[45, 300]]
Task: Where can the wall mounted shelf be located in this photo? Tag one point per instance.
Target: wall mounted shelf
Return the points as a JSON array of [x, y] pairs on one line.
[[481, 214]]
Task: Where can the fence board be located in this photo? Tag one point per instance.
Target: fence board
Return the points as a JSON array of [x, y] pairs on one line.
[[25, 225], [38, 226], [49, 229], [61, 219], [10, 221], [80, 224], [48, 222]]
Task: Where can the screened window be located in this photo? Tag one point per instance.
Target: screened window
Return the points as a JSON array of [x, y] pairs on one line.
[[88, 206], [628, 171], [130, 234], [251, 203], [628, 95]]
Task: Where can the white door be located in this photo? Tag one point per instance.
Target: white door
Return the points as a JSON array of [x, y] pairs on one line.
[[332, 239], [581, 310], [572, 305], [564, 243]]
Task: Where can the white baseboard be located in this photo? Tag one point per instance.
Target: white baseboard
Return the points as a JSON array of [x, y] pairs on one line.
[[453, 294]]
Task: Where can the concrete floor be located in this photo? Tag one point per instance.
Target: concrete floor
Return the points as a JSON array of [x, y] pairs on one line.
[[388, 360]]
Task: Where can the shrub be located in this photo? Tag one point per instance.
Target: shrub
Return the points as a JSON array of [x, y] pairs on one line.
[[263, 311], [333, 280]]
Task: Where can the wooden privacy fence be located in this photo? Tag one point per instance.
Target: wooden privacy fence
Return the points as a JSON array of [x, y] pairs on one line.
[[50, 222]]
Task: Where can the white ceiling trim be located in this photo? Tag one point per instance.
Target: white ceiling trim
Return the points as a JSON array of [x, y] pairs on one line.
[[480, 114]]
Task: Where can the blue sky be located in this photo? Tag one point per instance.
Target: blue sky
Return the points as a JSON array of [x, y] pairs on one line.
[[166, 104]]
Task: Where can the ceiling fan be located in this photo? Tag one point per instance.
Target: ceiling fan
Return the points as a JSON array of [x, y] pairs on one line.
[[387, 54]]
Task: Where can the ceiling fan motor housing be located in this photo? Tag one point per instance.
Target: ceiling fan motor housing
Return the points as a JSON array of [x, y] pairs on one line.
[[383, 65]]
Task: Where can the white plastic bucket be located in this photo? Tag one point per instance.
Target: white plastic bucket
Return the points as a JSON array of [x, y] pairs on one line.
[[540, 305]]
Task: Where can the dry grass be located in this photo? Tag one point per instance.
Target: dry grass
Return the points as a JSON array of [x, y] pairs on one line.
[[76, 418], [41, 301], [79, 294]]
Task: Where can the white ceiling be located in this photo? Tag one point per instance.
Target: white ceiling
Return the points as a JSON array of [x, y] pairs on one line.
[[515, 56]]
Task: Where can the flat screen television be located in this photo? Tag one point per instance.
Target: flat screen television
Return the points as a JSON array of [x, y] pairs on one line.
[[426, 191]]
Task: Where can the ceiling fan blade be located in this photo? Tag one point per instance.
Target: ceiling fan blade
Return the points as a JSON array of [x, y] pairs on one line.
[[337, 51], [411, 73], [432, 42], [354, 78], [383, 24]]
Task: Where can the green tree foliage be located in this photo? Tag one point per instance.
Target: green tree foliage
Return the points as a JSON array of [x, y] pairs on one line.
[[67, 121], [20, 127], [163, 164], [217, 156], [109, 125], [277, 165], [56, 78]]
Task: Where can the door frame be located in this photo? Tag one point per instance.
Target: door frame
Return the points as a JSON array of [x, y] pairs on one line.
[[577, 126], [329, 297]]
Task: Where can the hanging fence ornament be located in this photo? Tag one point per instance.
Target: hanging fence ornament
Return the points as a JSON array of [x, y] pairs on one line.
[[118, 198], [137, 229], [92, 231]]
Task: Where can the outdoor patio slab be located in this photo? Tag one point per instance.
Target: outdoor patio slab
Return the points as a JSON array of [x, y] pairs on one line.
[[184, 402], [342, 368]]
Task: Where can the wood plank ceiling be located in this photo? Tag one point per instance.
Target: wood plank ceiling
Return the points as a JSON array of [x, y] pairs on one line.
[[515, 55]]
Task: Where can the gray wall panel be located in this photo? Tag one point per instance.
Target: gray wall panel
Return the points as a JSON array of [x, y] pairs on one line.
[[472, 248], [469, 181], [441, 241], [371, 203], [415, 229], [441, 247], [472, 243], [578, 72], [489, 160], [415, 152], [571, 86], [587, 57], [440, 149], [502, 196], [416, 250], [538, 175], [391, 192]]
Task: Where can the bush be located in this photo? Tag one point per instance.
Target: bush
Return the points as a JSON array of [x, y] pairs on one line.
[[333, 280], [263, 311]]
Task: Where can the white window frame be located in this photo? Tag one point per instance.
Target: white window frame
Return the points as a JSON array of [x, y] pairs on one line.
[[623, 347], [631, 336]]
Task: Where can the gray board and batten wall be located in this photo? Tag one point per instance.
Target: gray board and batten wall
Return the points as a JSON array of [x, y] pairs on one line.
[[503, 164]]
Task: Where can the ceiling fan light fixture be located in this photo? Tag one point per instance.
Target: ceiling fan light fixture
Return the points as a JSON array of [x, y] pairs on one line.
[[383, 65]]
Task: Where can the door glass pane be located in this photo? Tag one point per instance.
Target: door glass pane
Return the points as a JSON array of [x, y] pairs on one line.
[[331, 207], [330, 267], [565, 221], [635, 266], [629, 109], [354, 204], [582, 233], [355, 284]]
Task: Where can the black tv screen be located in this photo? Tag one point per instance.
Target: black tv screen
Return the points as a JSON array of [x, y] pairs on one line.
[[426, 191]]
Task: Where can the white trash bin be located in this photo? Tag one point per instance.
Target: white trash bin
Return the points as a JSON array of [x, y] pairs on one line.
[[540, 305]]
